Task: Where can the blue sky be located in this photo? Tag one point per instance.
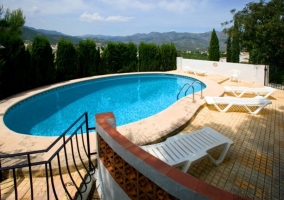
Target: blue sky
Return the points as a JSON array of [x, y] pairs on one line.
[[126, 17]]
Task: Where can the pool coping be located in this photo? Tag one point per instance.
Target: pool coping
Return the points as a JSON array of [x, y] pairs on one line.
[[149, 130]]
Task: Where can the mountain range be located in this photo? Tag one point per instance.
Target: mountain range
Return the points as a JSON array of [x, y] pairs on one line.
[[183, 41]]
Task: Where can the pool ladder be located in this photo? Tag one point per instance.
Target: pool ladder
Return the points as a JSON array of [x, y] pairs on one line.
[[191, 86]]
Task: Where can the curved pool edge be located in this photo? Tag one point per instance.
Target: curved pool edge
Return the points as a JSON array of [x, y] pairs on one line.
[[171, 120], [149, 130]]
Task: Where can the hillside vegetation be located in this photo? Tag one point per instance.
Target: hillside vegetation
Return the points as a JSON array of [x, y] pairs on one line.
[[182, 41]]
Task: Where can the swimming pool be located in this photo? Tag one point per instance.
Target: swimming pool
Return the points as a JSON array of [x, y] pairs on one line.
[[129, 97]]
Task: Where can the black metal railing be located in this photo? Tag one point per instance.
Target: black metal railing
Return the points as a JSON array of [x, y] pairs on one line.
[[68, 154]]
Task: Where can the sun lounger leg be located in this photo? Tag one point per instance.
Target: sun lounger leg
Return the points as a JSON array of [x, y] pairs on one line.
[[186, 166], [225, 109], [250, 111], [268, 94], [222, 155], [236, 94], [257, 110]]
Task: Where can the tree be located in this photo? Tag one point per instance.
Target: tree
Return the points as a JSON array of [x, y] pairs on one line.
[[14, 68], [261, 30], [229, 50], [14, 64], [119, 57], [197, 55], [129, 58], [235, 53], [149, 57], [88, 58], [12, 22], [66, 61], [214, 51], [42, 61], [168, 57], [110, 59]]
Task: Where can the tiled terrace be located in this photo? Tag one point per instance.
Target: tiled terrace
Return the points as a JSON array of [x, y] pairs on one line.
[[254, 165]]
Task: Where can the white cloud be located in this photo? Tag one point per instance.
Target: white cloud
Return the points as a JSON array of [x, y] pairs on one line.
[[97, 17], [46, 7], [150, 5], [131, 4], [33, 10], [182, 5], [118, 19]]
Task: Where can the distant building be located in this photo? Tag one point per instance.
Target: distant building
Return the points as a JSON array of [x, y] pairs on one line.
[[54, 48], [223, 59], [243, 58]]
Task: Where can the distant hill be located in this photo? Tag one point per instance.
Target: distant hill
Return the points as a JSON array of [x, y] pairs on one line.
[[182, 41], [46, 32], [53, 36]]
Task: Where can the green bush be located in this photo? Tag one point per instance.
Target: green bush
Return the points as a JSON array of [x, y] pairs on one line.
[[42, 60], [14, 65], [149, 57], [66, 61], [88, 58], [168, 57]]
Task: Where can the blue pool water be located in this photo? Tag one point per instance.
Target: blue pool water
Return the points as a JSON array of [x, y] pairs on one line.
[[129, 97]]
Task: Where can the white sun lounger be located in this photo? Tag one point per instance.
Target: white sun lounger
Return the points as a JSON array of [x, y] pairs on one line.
[[186, 149], [258, 101], [188, 69], [240, 91]]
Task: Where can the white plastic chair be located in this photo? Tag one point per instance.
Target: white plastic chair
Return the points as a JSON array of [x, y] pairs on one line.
[[234, 74]]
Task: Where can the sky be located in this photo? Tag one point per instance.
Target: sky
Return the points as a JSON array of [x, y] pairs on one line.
[[126, 17]]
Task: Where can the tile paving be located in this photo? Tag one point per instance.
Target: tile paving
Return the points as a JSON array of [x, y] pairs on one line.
[[40, 189], [253, 166]]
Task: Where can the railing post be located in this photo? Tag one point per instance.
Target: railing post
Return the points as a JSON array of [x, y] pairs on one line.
[[31, 177], [88, 141]]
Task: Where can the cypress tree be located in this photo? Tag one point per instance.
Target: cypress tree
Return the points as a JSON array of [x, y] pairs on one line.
[[149, 57], [129, 58], [235, 57], [42, 61], [13, 58], [110, 59], [229, 53], [87, 58], [66, 61], [214, 51], [168, 57], [13, 65]]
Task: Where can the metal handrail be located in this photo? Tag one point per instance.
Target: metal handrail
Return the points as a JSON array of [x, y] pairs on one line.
[[182, 89], [191, 86], [79, 127]]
